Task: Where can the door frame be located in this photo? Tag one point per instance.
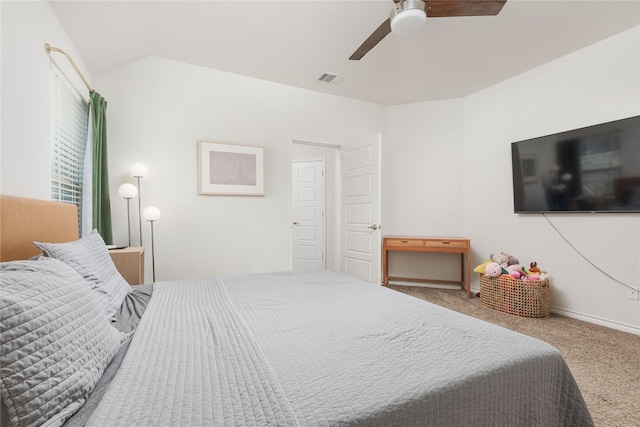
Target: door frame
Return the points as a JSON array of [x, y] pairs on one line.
[[337, 245], [335, 248]]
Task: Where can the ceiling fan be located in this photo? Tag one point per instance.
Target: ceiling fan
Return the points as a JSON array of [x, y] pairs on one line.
[[408, 16]]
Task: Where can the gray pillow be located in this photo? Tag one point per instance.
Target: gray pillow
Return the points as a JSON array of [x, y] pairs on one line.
[[90, 257], [55, 343]]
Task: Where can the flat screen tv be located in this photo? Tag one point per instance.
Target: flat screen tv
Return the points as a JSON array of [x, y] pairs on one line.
[[592, 169]]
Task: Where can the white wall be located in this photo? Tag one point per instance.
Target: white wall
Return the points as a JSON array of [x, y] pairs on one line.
[[157, 111], [447, 171], [594, 85], [422, 183], [25, 110], [422, 169]]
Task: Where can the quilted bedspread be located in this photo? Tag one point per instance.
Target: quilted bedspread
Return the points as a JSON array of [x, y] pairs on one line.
[[326, 349]]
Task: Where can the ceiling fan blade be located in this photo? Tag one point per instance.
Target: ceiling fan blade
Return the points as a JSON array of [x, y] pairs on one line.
[[444, 8], [375, 38], [434, 9]]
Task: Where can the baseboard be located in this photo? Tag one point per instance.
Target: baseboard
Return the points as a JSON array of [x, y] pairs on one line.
[[590, 319], [596, 320], [425, 285]]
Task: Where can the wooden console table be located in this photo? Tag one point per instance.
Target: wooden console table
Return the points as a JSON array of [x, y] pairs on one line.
[[429, 244]]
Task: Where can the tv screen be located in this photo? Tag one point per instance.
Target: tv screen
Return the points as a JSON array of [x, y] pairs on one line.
[[592, 169]]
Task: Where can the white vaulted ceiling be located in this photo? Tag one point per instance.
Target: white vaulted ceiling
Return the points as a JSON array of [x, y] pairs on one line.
[[294, 42]]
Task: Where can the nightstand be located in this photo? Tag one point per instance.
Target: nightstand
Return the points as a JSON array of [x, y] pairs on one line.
[[130, 263]]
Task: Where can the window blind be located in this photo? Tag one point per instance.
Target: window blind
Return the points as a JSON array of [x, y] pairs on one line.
[[69, 118]]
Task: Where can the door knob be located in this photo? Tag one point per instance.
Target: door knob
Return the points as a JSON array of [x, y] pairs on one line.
[[296, 223], [373, 227]]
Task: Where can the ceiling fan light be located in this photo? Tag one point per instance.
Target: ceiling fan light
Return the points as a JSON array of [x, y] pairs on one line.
[[407, 17]]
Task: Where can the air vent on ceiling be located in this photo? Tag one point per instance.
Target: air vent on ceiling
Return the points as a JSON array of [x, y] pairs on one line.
[[330, 78]]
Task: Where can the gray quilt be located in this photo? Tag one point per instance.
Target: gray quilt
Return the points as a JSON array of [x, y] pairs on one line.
[[326, 349]]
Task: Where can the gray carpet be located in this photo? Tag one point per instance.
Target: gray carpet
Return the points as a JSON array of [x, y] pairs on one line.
[[605, 362]]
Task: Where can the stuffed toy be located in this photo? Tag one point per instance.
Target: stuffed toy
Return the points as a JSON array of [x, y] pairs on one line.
[[500, 258], [515, 271], [482, 267], [493, 269], [512, 260], [534, 272], [533, 269]]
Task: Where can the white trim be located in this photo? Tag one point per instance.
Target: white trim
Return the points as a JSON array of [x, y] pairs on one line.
[[312, 141], [596, 320], [425, 285]]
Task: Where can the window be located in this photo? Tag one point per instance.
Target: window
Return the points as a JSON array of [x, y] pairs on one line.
[[69, 118]]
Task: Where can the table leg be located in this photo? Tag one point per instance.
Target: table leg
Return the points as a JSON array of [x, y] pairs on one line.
[[385, 268]]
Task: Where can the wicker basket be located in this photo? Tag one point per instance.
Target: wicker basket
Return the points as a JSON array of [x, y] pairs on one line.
[[525, 298]]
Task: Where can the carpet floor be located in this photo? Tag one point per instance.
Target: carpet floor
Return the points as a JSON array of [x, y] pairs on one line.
[[605, 362]]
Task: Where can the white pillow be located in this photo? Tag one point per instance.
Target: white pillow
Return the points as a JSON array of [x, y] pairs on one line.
[[55, 343], [89, 256]]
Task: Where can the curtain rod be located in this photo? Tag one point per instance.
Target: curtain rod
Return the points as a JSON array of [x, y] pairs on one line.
[[50, 48]]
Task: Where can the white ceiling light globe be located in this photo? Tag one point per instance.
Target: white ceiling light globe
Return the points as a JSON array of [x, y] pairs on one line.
[[408, 17]]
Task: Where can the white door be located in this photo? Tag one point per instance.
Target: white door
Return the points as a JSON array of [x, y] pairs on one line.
[[362, 209], [308, 215]]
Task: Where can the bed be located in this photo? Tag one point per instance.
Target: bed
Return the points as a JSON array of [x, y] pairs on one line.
[[278, 348]]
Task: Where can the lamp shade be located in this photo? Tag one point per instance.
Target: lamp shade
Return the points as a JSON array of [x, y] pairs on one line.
[[138, 170], [151, 213], [127, 191], [407, 17]]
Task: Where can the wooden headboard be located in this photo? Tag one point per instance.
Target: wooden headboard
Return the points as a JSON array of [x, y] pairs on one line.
[[24, 220]]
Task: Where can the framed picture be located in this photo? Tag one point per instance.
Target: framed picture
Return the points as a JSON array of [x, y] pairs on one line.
[[230, 169]]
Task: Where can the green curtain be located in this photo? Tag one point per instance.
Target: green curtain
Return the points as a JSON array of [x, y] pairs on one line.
[[101, 199]]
